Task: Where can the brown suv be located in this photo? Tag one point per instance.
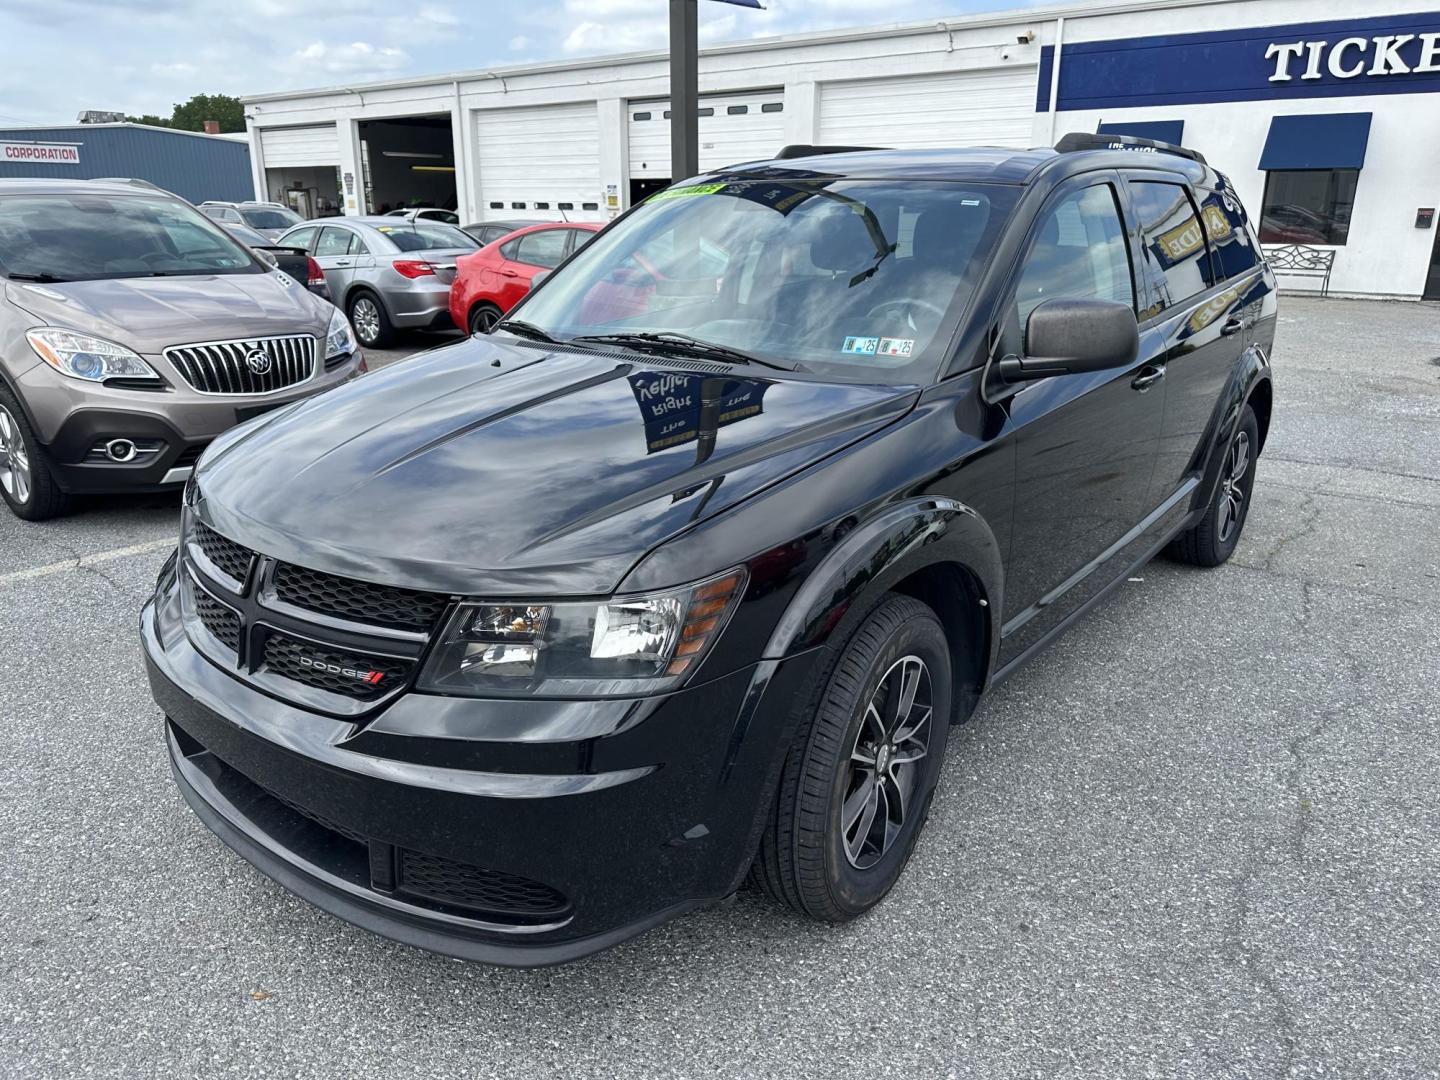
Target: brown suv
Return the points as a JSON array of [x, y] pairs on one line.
[[133, 331]]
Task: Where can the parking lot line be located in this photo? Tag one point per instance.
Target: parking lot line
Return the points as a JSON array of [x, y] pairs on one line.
[[84, 560]]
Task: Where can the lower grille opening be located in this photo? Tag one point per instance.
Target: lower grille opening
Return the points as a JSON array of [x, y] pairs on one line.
[[424, 881], [474, 888]]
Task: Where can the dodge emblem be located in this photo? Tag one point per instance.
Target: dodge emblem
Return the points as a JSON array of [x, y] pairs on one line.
[[258, 361]]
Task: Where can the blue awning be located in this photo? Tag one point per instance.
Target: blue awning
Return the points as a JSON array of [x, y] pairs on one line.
[[1317, 141], [1171, 131]]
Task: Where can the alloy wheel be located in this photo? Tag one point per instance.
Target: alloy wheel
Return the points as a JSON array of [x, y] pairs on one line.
[[366, 317], [1232, 485], [484, 320], [883, 779], [14, 461]]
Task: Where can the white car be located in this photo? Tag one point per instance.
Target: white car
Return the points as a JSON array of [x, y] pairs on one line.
[[426, 213]]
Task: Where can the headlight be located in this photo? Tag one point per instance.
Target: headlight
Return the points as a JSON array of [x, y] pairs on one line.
[[83, 357], [339, 339], [622, 647]]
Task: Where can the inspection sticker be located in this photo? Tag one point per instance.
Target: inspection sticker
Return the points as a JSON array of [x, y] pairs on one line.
[[865, 346], [681, 192], [896, 346]]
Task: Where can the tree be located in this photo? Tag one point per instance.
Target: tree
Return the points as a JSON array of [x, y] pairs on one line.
[[191, 116]]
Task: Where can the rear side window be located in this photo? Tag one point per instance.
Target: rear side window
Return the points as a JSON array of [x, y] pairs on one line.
[[1175, 252], [545, 248], [1232, 244], [1079, 253], [334, 241]]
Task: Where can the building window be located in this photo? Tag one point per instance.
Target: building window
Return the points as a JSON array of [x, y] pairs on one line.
[[517, 206], [1307, 206], [497, 206], [542, 206], [737, 110], [565, 206], [707, 111], [590, 206], [642, 116], [666, 114], [773, 106]]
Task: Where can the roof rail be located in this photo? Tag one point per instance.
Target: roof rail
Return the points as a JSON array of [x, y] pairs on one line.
[[1083, 140], [799, 150]]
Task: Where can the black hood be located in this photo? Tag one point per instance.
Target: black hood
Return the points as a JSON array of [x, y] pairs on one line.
[[490, 466]]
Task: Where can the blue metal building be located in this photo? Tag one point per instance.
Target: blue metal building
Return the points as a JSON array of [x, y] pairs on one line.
[[194, 166]]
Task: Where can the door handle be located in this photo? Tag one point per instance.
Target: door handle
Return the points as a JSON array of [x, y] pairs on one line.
[[1232, 326], [1148, 377], [509, 273], [338, 263]]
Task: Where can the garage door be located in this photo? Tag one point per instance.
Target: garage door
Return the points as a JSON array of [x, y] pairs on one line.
[[540, 161], [285, 148], [975, 108], [733, 128]]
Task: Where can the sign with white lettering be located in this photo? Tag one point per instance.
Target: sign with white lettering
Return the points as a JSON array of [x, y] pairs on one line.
[[40, 153], [1390, 54]]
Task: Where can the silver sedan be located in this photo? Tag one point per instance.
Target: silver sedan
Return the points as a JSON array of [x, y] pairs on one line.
[[385, 273]]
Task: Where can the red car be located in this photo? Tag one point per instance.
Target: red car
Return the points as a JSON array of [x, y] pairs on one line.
[[494, 279]]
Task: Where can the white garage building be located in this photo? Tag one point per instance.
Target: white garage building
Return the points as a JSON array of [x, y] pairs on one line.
[[1325, 113]]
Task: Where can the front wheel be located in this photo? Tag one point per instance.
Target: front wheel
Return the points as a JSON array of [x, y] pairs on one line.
[[26, 483], [857, 784], [1212, 540]]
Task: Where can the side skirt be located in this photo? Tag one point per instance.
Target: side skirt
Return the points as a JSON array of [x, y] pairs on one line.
[[1064, 624]]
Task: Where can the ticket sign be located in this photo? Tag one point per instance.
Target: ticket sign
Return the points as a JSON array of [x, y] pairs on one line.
[[672, 408], [36, 153]]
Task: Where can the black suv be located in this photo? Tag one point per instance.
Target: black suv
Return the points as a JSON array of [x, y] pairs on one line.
[[527, 644]]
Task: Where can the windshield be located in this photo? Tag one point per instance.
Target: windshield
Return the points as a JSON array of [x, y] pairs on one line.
[[426, 236], [91, 237], [270, 219], [861, 279]]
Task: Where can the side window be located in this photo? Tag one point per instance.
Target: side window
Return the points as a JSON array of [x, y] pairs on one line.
[[511, 250], [1078, 253], [357, 245], [1175, 251], [1232, 245], [545, 248], [579, 238], [333, 241], [301, 238]]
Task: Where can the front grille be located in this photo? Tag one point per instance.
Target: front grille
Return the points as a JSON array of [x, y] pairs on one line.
[[348, 674], [321, 820], [455, 884], [229, 556], [219, 619], [361, 601], [256, 366]]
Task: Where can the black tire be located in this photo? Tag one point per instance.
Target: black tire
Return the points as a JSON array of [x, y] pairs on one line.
[[369, 319], [1213, 538], [26, 483], [807, 858], [483, 318]]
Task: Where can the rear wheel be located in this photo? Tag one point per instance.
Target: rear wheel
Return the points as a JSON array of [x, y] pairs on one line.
[[26, 483], [1213, 539], [857, 784], [483, 318], [371, 323]]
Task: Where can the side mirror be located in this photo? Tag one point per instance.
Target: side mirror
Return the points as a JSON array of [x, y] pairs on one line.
[[1065, 337]]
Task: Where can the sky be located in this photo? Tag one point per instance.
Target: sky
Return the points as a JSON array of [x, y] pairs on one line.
[[143, 56]]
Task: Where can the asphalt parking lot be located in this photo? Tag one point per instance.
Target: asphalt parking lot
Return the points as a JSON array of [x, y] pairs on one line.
[[1199, 838]]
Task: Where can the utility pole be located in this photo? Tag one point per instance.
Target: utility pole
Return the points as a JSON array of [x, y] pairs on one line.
[[684, 89]]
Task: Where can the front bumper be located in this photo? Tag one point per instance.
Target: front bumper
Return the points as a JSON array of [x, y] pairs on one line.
[[72, 417], [631, 812]]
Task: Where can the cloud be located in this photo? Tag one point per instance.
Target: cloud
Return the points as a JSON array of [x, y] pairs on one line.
[[177, 70], [355, 58], [519, 43]]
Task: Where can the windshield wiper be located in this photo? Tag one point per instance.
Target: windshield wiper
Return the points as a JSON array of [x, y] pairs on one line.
[[520, 328], [674, 341], [46, 279]]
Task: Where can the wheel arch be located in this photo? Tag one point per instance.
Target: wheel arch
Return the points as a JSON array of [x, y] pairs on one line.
[[935, 549], [1262, 400]]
